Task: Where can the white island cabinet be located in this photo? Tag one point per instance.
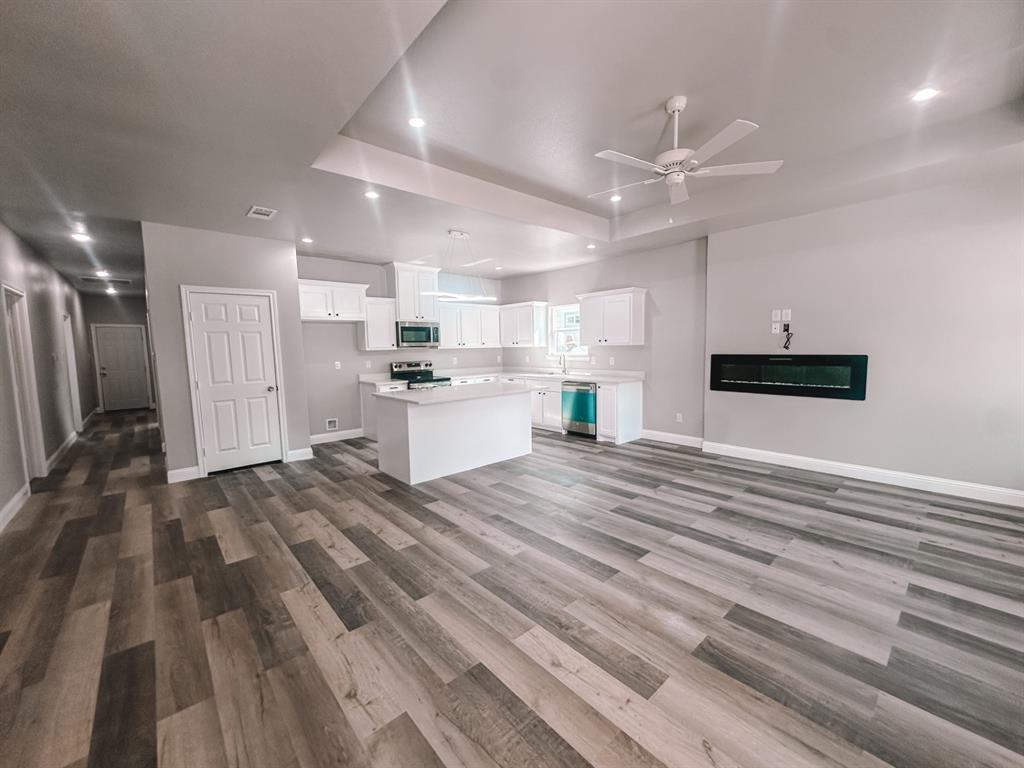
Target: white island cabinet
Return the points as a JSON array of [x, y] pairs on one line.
[[424, 434]]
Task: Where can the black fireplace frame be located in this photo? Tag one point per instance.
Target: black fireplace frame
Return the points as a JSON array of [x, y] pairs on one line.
[[857, 389]]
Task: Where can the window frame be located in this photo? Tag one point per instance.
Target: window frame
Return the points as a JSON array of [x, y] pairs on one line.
[[581, 351]]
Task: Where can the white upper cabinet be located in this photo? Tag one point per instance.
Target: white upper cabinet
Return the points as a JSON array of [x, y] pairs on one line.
[[468, 326], [413, 287], [326, 300], [612, 318], [379, 329], [524, 324], [490, 335]]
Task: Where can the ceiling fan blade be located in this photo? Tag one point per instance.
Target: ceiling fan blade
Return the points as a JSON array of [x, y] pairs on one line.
[[728, 136], [739, 169], [677, 193], [625, 186], [636, 162]]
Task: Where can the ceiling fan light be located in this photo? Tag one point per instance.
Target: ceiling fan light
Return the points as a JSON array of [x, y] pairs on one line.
[[615, 198], [925, 94]]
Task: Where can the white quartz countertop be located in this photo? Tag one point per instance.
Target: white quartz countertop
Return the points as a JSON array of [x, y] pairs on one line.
[[455, 394], [550, 377]]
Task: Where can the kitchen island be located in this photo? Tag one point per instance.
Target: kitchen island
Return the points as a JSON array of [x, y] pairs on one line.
[[423, 434]]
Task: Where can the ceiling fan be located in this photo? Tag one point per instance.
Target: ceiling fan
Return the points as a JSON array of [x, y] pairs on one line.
[[676, 164]]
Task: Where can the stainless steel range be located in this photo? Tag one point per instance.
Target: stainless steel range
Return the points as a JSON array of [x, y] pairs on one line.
[[419, 374]]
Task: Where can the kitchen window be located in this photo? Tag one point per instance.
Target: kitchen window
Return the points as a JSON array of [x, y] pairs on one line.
[[564, 337]]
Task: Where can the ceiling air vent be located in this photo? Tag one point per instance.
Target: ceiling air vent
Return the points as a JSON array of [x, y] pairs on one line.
[[104, 280], [261, 212]]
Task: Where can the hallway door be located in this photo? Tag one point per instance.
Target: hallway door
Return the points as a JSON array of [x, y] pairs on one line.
[[122, 366]]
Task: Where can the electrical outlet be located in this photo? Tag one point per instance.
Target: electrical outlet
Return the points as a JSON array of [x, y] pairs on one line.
[[337, 365], [369, 364], [679, 418], [527, 358], [787, 315], [499, 358], [455, 361], [775, 328], [593, 359], [611, 361], [776, 315]]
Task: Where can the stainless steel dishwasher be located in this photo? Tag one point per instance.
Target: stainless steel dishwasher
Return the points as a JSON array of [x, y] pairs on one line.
[[579, 407]]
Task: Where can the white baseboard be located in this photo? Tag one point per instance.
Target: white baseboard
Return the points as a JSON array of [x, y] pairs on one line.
[[52, 461], [87, 419], [12, 507], [672, 437], [990, 493], [331, 437], [300, 454], [183, 474]]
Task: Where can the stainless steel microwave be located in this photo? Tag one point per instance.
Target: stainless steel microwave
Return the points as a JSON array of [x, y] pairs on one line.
[[418, 334]]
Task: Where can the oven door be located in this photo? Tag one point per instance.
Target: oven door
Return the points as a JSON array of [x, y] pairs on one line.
[[418, 334]]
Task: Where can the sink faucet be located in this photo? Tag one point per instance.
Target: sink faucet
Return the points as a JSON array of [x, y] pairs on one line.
[[563, 363]]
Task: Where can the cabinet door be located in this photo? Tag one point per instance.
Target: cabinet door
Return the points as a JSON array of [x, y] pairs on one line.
[[606, 411], [537, 407], [426, 285], [348, 301], [553, 408], [489, 327], [406, 290], [507, 321], [524, 326], [450, 336], [380, 324], [469, 326], [315, 301], [618, 319], [592, 321]]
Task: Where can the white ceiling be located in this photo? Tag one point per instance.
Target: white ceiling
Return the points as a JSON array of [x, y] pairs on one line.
[[188, 113]]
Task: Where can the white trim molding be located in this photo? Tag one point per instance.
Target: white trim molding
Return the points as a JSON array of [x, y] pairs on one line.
[[671, 437], [51, 462], [87, 419], [333, 437], [183, 474], [299, 454], [962, 488], [13, 506]]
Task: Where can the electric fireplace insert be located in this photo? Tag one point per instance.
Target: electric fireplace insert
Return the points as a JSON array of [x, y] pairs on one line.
[[842, 377]]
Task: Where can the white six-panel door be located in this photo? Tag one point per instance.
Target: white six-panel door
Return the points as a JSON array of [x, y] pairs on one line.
[[122, 365], [236, 379]]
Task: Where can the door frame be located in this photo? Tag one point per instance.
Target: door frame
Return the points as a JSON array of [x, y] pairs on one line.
[[96, 361], [193, 382], [30, 424], [72, 364]]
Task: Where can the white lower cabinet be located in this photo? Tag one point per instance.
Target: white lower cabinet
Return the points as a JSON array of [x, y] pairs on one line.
[[620, 412], [546, 408], [368, 403]]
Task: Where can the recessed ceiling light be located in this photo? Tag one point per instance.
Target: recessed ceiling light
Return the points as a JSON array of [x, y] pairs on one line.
[[307, 240], [111, 289], [497, 269], [615, 198], [925, 94], [102, 273], [591, 246], [81, 237], [371, 194], [417, 122]]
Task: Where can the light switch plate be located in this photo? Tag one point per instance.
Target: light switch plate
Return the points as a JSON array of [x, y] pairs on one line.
[[776, 315], [337, 365], [787, 315], [368, 364], [775, 327], [611, 361], [679, 418]]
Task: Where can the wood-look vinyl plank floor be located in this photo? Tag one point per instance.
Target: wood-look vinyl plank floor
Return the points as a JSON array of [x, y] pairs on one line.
[[586, 605]]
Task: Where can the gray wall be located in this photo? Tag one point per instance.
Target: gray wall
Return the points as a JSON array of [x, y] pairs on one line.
[[177, 256], [335, 393], [673, 355], [49, 297], [118, 310], [930, 286]]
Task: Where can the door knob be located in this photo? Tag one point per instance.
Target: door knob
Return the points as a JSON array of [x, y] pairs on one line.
[[271, 388]]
